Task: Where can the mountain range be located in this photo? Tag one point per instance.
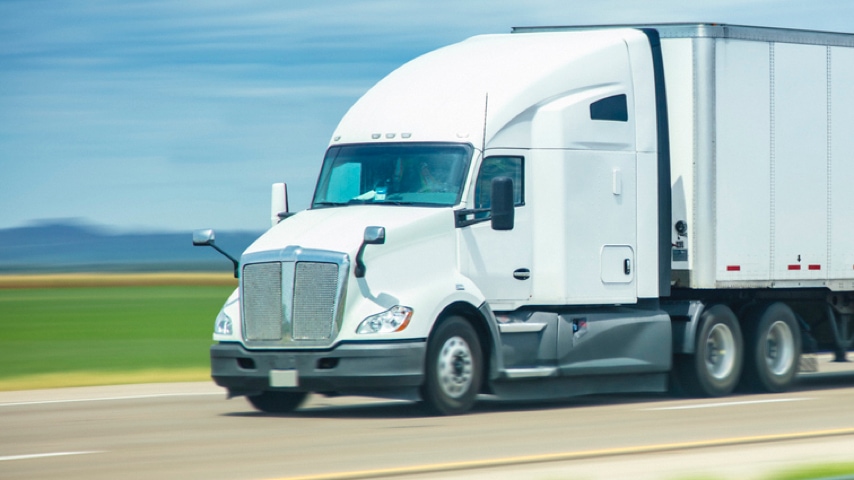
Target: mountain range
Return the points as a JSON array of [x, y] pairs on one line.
[[77, 246]]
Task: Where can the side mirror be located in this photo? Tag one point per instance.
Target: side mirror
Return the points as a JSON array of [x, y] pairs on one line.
[[203, 238], [206, 238], [373, 236], [503, 204], [278, 203]]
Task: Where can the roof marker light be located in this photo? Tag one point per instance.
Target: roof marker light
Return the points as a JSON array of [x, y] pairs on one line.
[[376, 136]]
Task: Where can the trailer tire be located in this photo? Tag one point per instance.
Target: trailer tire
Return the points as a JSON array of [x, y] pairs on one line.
[[715, 367], [277, 402], [773, 352], [454, 368]]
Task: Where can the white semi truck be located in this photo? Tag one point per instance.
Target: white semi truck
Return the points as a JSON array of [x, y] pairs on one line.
[[564, 211]]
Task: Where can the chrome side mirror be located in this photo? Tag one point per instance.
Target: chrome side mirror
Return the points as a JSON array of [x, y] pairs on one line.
[[373, 236], [206, 238]]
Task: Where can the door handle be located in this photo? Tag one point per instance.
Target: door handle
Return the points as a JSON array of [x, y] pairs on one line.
[[627, 266], [522, 274]]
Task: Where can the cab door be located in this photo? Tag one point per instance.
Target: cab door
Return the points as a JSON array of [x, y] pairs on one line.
[[601, 227], [499, 262]]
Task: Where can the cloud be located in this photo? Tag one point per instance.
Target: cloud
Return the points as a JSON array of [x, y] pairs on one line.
[[161, 109]]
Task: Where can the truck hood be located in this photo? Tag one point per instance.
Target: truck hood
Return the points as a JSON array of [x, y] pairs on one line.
[[342, 229]]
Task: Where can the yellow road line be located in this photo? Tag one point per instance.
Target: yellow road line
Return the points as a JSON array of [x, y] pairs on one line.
[[566, 456]]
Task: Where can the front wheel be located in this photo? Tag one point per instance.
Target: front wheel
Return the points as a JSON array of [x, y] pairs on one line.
[[773, 349], [715, 367], [277, 402], [454, 368]]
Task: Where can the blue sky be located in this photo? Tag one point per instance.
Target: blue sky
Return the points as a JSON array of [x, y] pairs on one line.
[[172, 116]]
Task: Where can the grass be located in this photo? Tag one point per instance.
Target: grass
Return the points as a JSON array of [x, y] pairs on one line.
[[97, 335], [834, 471]]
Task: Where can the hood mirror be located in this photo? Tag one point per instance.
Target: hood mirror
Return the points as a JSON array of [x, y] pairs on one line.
[[373, 236]]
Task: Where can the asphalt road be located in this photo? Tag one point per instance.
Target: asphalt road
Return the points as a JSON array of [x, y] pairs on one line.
[[191, 431]]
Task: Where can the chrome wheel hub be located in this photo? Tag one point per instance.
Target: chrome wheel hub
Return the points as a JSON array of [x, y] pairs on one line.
[[455, 367], [720, 352], [779, 348]]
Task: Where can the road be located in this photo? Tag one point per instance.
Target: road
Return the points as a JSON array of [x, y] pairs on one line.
[[190, 431]]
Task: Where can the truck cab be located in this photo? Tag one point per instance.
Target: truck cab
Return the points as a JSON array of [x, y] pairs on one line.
[[487, 215]]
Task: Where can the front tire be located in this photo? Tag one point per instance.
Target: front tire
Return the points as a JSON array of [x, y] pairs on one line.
[[277, 402], [454, 368], [715, 367], [773, 350]]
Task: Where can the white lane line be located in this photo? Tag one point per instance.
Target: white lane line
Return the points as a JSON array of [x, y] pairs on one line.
[[45, 455], [105, 399], [726, 404]]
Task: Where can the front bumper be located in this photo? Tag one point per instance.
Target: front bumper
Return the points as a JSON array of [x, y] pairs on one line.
[[372, 368]]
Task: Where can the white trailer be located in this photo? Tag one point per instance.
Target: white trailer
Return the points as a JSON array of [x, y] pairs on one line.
[[561, 211]]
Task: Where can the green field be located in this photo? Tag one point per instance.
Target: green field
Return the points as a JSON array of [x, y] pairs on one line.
[[52, 337]]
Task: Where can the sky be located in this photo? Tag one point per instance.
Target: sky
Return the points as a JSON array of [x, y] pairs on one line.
[[171, 115]]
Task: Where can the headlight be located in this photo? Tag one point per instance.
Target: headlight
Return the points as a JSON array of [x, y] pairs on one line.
[[394, 319], [223, 324]]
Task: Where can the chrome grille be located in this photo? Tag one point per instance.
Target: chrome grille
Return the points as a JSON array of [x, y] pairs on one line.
[[314, 300], [292, 297], [262, 301]]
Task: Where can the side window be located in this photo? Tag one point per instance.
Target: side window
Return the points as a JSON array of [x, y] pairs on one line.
[[613, 109], [499, 166]]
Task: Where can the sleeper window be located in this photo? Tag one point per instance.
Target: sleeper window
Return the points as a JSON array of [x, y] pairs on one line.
[[613, 109]]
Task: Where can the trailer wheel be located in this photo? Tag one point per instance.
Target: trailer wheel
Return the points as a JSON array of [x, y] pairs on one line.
[[454, 368], [715, 367], [773, 349], [277, 402]]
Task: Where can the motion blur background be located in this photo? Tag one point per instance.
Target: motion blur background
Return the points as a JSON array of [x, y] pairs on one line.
[[129, 116]]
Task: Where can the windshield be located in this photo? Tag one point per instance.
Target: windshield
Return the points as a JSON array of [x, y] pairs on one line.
[[428, 174]]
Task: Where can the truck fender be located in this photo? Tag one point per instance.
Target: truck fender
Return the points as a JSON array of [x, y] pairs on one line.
[[468, 301], [485, 324], [684, 319], [496, 360]]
